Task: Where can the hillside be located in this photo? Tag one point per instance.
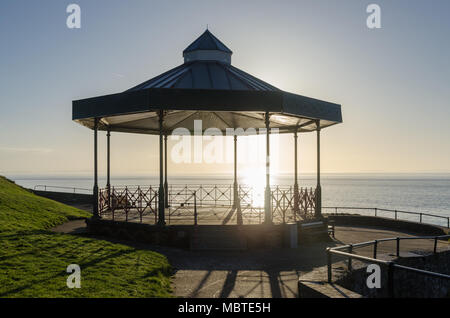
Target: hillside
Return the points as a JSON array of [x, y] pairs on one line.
[[33, 260]]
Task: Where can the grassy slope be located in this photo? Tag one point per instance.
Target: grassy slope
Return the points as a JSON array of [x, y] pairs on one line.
[[33, 260]]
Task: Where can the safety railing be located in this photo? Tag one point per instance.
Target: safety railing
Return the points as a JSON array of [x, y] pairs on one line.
[[288, 204], [391, 265], [183, 205], [136, 201], [395, 214], [43, 187], [206, 195]]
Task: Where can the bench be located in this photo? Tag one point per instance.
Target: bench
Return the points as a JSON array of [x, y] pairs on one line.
[[331, 228], [317, 228]]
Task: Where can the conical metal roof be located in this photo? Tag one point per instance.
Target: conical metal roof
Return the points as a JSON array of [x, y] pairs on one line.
[[206, 75], [205, 87], [206, 67]]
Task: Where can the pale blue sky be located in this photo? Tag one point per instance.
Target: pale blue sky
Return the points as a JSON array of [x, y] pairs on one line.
[[393, 83]]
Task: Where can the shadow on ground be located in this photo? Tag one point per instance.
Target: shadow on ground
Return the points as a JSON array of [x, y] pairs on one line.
[[269, 273], [258, 273]]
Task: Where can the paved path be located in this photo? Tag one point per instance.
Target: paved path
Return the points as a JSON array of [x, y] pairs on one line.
[[261, 273], [71, 227], [268, 273]]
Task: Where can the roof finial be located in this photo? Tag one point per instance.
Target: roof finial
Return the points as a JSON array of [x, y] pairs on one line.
[[207, 27]]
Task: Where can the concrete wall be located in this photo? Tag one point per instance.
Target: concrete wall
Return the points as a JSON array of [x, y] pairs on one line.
[[406, 283], [398, 225], [66, 197], [196, 237]]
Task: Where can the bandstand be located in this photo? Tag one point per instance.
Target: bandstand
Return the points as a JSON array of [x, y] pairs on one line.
[[205, 87]]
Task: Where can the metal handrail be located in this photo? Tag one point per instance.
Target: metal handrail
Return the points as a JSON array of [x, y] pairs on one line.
[[421, 271], [396, 212], [60, 187], [391, 264]]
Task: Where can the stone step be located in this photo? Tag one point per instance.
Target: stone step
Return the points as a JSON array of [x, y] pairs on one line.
[[314, 285], [320, 289]]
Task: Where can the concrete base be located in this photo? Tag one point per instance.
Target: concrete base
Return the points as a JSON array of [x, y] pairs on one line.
[[65, 197], [200, 237]]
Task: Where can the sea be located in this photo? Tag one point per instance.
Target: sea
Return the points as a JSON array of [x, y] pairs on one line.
[[421, 193]]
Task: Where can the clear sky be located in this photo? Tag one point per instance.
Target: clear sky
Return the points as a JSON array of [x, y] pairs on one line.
[[393, 82]]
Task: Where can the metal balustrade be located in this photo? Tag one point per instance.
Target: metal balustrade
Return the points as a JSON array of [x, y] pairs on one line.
[[189, 202], [283, 202], [43, 187], [141, 200], [396, 214], [391, 265]]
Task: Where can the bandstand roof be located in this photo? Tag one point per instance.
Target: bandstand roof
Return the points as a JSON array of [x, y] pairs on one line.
[[205, 87]]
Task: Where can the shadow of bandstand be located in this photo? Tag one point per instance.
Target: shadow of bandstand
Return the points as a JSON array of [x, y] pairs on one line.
[[272, 274], [229, 216], [260, 273]]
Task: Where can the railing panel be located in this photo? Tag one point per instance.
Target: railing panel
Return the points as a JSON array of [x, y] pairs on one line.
[[418, 217], [135, 202]]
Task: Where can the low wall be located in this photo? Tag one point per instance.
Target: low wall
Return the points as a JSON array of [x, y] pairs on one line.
[[399, 225], [177, 236], [406, 283], [196, 237], [66, 197]]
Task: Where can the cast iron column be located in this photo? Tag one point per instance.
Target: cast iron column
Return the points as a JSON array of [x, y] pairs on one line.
[[267, 194], [161, 200], [108, 165], [318, 212], [296, 194], [95, 190], [166, 184], [237, 204]]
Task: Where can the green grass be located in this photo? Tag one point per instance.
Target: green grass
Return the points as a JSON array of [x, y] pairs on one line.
[[33, 260]]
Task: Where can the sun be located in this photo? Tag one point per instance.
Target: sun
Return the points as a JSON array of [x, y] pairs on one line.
[[255, 178]]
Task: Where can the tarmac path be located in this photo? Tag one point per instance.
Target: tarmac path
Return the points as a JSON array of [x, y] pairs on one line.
[[261, 273]]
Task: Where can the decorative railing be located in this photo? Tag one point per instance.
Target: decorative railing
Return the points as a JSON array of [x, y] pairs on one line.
[[189, 202], [137, 201], [206, 194], [291, 206]]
